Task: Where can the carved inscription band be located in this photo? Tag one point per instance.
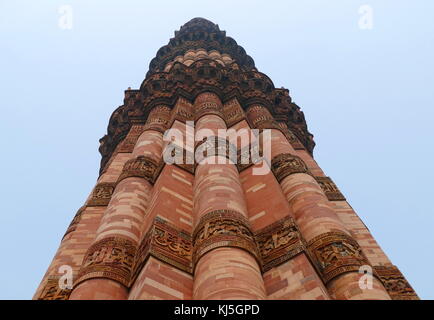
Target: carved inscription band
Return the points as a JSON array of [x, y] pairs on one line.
[[223, 228], [110, 258], [286, 164], [52, 290], [335, 253], [166, 243], [101, 194], [395, 283], [74, 223], [330, 189], [278, 243], [142, 167]]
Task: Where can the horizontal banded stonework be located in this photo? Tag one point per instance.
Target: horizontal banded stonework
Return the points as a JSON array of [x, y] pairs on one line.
[[171, 218]]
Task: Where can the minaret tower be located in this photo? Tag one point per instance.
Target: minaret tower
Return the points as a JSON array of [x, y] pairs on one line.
[[250, 216]]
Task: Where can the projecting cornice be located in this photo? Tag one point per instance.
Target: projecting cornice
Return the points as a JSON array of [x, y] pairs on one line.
[[228, 82]]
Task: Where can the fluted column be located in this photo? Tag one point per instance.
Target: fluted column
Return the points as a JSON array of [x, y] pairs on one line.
[[336, 255], [107, 266], [225, 253]]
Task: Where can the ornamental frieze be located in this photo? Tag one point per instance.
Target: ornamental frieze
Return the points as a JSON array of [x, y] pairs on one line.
[[292, 139], [101, 194], [330, 189], [223, 228], [233, 113], [286, 164], [208, 108], [166, 243], [278, 243], [395, 283], [110, 258], [142, 167], [128, 144], [73, 225], [53, 291], [335, 253], [229, 83], [159, 119], [183, 111]]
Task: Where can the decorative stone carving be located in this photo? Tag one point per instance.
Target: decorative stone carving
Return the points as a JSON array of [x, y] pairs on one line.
[[183, 111], [286, 164], [223, 228], [101, 194], [292, 139], [159, 119], [128, 144], [395, 283], [208, 107], [75, 221], [330, 189], [110, 258], [205, 75], [278, 243], [142, 167], [336, 253], [52, 291], [233, 112], [166, 243]]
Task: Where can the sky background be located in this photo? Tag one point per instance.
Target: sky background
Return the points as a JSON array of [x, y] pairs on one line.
[[367, 96]]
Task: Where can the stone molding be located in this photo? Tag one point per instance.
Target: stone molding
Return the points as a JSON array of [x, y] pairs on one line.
[[74, 223], [110, 258], [127, 145], [279, 242], [141, 167], [395, 283], [330, 189], [52, 290], [335, 253], [188, 82], [285, 164], [223, 228], [101, 194], [167, 243]]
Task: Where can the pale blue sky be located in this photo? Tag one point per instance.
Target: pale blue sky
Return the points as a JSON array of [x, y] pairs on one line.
[[367, 96]]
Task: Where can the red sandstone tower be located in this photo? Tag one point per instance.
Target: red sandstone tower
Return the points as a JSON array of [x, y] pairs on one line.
[[202, 230]]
